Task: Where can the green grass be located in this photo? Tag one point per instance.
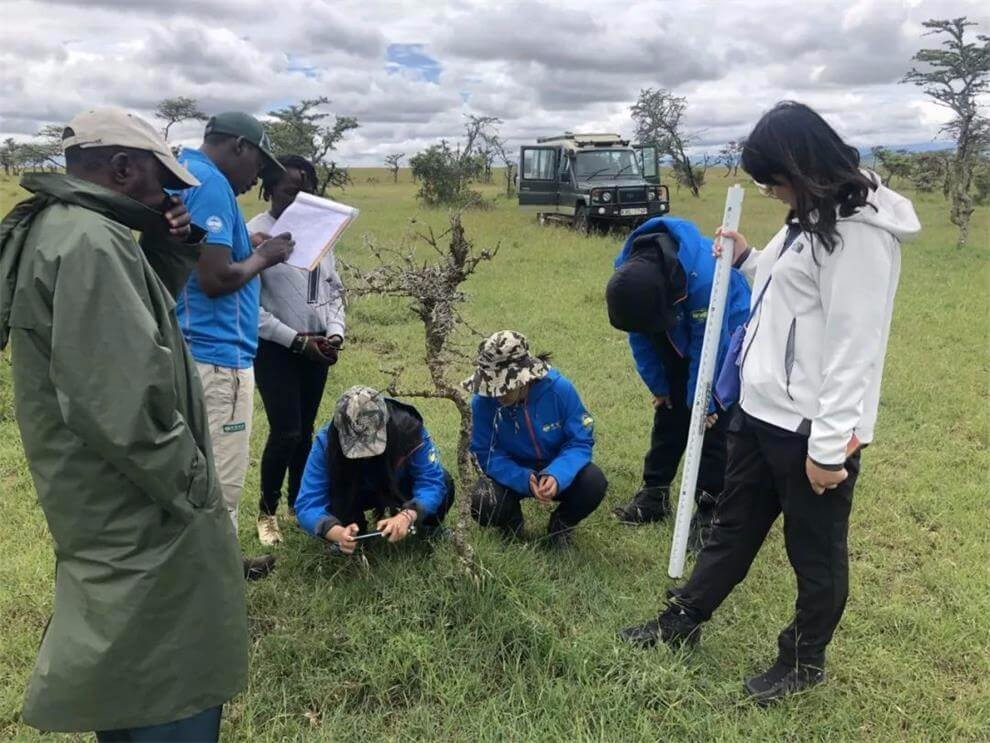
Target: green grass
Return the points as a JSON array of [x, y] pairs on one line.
[[409, 649]]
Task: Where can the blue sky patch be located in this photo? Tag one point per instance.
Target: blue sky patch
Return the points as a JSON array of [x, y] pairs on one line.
[[399, 57]]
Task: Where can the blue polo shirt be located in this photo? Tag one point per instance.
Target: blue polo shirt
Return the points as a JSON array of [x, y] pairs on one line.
[[222, 330]]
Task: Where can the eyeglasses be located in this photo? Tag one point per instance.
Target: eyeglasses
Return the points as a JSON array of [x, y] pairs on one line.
[[763, 188]]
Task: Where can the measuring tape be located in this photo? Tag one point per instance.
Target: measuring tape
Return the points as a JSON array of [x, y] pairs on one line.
[[703, 389]]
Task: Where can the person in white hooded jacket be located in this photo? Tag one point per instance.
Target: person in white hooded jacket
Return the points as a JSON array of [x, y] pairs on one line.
[[810, 368]]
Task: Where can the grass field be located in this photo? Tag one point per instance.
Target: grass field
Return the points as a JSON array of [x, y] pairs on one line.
[[409, 649]]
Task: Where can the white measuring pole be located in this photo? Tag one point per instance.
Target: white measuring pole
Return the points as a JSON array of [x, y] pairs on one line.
[[703, 390]]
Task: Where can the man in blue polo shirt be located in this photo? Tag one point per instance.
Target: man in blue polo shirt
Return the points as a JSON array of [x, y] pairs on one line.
[[218, 308]]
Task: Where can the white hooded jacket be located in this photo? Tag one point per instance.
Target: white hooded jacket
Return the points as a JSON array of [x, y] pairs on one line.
[[813, 354]]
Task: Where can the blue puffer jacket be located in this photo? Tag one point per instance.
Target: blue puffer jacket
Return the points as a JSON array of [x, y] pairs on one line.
[[419, 471], [550, 433], [687, 337]]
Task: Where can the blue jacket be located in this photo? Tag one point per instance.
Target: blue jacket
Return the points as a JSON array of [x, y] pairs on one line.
[[551, 433], [687, 337], [420, 472]]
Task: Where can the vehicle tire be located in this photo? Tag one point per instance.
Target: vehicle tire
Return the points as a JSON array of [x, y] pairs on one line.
[[581, 222]]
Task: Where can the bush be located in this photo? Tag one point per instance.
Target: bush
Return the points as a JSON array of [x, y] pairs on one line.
[[444, 175]]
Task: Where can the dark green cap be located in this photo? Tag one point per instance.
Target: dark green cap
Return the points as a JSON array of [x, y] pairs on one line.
[[240, 124]]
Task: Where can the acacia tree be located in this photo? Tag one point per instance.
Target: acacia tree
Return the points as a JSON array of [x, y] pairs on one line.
[[176, 110], [445, 172], [302, 129], [498, 145], [9, 157], [895, 163], [392, 162], [657, 115], [435, 296], [45, 150], [729, 156], [956, 76]]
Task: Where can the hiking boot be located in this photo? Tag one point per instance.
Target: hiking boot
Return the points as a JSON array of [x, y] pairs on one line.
[[256, 568], [782, 680], [268, 532], [674, 626], [561, 536], [648, 505]]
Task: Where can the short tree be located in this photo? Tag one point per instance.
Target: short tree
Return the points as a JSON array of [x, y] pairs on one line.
[[434, 292], [956, 77], [392, 163], [657, 115], [302, 129], [9, 156], [176, 110], [445, 173], [729, 155], [930, 171], [508, 163], [46, 150], [892, 164]]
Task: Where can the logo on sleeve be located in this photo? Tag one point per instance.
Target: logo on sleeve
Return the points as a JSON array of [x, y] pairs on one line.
[[433, 456], [214, 223], [587, 421]]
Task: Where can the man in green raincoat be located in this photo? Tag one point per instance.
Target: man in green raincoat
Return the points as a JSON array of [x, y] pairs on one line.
[[149, 629]]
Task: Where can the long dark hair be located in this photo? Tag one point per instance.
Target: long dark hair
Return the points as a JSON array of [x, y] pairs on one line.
[[272, 176], [792, 142]]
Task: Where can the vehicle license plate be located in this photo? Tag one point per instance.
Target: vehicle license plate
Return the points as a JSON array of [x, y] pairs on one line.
[[633, 212]]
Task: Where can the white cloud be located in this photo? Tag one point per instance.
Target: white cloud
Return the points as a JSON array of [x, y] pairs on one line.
[[540, 65]]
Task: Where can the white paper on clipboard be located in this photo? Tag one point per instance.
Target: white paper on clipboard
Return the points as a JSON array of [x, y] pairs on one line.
[[316, 224]]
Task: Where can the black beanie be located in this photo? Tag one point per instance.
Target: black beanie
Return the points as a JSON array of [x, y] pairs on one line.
[[643, 291]]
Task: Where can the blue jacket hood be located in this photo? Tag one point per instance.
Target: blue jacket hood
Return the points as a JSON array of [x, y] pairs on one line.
[[695, 255]]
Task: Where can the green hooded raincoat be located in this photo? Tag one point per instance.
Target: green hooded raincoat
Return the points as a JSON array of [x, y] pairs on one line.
[[150, 622]]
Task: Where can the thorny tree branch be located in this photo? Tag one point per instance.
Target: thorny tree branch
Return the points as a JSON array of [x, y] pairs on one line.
[[433, 289]]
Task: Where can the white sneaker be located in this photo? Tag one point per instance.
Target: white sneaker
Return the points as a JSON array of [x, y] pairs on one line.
[[268, 532]]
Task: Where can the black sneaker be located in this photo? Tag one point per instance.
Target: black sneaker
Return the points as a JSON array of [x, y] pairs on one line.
[[674, 626], [782, 680], [256, 568], [647, 506], [560, 535]]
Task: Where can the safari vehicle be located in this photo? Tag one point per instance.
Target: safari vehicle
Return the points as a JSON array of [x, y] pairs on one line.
[[591, 180]]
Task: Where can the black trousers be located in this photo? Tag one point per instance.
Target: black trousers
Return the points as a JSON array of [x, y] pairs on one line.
[[670, 433], [406, 493], [291, 388], [766, 477], [493, 504], [200, 728]]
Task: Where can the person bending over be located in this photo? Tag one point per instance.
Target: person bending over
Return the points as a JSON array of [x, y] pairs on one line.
[[375, 455], [533, 438]]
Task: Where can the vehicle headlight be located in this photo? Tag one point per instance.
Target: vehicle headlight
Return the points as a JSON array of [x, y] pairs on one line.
[[607, 196], [651, 195]]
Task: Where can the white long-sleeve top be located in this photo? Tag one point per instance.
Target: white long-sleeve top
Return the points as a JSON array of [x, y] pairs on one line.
[[814, 352], [296, 301]]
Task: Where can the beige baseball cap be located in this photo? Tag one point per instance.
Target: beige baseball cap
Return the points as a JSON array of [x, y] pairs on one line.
[[109, 126]]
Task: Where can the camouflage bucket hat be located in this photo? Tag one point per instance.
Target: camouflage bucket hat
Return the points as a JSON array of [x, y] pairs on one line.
[[360, 419], [504, 364]]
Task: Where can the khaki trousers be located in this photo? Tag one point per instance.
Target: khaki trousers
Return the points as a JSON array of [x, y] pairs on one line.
[[229, 397]]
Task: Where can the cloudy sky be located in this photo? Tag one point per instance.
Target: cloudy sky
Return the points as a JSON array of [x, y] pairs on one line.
[[410, 71]]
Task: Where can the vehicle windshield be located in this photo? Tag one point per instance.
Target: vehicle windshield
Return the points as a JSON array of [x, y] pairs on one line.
[[601, 163]]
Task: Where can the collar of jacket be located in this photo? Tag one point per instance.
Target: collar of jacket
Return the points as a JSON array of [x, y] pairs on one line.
[[72, 190]]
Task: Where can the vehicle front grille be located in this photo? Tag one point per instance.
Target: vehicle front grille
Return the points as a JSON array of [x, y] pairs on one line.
[[632, 195]]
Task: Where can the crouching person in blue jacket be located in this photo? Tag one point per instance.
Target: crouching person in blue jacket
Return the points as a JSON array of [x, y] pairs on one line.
[[532, 437], [659, 294], [375, 455]]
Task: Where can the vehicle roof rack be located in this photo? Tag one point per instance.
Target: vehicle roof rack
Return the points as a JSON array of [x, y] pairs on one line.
[[591, 139]]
